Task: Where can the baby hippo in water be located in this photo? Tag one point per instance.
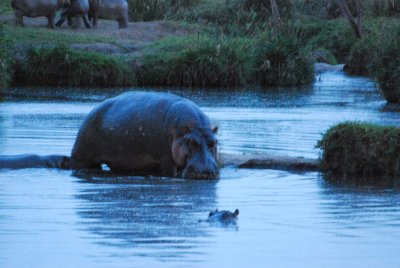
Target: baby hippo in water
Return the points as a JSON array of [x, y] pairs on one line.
[[223, 216]]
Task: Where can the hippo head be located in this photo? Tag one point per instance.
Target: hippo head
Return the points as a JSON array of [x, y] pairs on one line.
[[224, 216], [195, 152]]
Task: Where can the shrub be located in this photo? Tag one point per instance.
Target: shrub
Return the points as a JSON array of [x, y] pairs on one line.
[[334, 35], [361, 55], [197, 61], [61, 66], [366, 150], [149, 10], [283, 60], [386, 68], [5, 59]]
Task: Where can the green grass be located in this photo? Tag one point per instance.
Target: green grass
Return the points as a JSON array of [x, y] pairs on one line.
[[6, 59], [198, 61], [62, 66], [35, 35], [283, 60], [5, 6], [361, 149]]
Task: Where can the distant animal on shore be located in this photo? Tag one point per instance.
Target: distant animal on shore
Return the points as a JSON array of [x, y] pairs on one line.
[[110, 10], [76, 8], [37, 8]]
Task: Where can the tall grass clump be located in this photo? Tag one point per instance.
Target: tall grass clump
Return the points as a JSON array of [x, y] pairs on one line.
[[197, 61], [283, 60], [62, 66], [5, 6], [150, 10], [6, 68], [359, 61], [387, 69], [360, 149]]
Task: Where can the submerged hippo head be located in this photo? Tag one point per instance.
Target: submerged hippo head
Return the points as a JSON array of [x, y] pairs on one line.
[[195, 153], [223, 216]]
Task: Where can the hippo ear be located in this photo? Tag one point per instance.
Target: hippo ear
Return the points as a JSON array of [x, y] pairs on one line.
[[236, 213], [215, 130]]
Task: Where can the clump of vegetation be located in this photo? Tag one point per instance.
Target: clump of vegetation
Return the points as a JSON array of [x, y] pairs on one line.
[[359, 61], [360, 149], [387, 69], [198, 61], [149, 10], [6, 60], [62, 66], [283, 60], [5, 6]]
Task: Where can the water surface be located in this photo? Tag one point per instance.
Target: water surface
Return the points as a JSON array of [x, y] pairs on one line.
[[57, 218]]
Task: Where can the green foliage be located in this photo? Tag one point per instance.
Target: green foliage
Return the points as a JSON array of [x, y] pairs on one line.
[[361, 54], [284, 60], [35, 35], [62, 66], [6, 59], [386, 68], [197, 61], [361, 149], [334, 35], [5, 6], [149, 10], [329, 9]]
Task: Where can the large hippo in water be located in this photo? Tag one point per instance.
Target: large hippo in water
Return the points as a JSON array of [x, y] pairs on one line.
[[37, 8], [148, 133], [109, 9]]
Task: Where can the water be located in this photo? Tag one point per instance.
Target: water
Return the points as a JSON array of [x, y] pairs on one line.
[[57, 218]]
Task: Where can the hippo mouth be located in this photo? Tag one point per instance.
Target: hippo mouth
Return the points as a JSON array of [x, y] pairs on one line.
[[189, 172]]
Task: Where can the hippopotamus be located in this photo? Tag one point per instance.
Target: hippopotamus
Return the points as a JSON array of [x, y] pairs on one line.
[[33, 161], [148, 133], [74, 9], [223, 216], [109, 9], [37, 8]]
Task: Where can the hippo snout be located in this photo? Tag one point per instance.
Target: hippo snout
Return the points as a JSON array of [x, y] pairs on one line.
[[194, 172]]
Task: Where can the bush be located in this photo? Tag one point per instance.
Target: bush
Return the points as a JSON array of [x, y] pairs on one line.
[[387, 69], [150, 10], [197, 61], [283, 60], [61, 66], [361, 149], [359, 61], [6, 67]]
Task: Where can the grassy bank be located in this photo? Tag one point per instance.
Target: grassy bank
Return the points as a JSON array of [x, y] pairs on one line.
[[62, 66], [209, 61], [6, 59], [358, 149], [236, 44]]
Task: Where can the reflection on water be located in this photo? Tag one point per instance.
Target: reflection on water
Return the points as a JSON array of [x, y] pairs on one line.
[[58, 218], [137, 211]]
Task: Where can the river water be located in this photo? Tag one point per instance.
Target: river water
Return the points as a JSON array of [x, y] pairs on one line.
[[58, 218]]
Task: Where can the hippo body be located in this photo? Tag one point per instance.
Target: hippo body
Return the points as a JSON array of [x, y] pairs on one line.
[[148, 133], [110, 10], [32, 161], [77, 8], [223, 216], [37, 8]]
